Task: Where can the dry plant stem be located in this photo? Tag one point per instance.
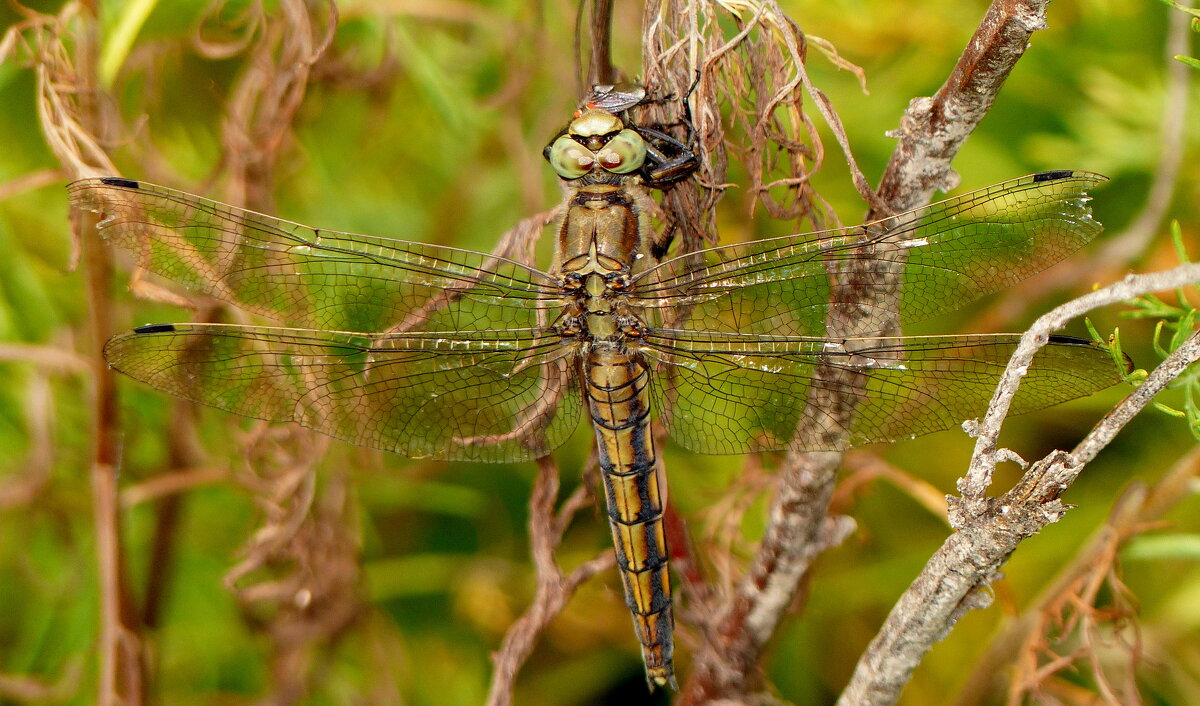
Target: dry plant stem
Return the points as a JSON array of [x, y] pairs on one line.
[[864, 467], [30, 181], [1117, 251], [931, 132], [979, 476], [988, 530], [122, 676], [933, 129], [546, 528], [121, 670], [600, 66], [28, 690], [50, 359], [174, 481], [183, 454], [1134, 510]]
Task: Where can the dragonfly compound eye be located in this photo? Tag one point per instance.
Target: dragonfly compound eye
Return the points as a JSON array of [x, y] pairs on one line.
[[570, 159], [624, 153]]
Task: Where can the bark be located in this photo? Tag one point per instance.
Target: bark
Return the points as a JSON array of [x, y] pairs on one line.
[[931, 132], [988, 530]]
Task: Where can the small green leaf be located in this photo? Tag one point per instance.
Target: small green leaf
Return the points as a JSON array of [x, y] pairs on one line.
[[1156, 340], [1183, 329], [1191, 11], [1177, 239], [1189, 60]]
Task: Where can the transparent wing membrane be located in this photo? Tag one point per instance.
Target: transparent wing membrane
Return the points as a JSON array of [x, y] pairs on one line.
[[938, 258], [433, 352], [503, 396], [314, 278], [722, 394]]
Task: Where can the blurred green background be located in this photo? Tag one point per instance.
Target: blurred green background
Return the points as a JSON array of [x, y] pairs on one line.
[[426, 122]]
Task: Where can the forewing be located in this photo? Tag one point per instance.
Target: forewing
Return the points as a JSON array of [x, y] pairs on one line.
[[496, 397], [937, 258], [736, 394], [309, 277]]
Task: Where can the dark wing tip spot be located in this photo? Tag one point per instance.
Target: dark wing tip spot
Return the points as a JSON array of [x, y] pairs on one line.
[[118, 181], [155, 328], [1074, 340], [1052, 175]]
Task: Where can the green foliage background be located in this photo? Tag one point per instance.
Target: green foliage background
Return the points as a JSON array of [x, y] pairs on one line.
[[445, 147]]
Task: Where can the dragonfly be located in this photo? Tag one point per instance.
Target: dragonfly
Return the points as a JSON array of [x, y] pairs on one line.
[[434, 352]]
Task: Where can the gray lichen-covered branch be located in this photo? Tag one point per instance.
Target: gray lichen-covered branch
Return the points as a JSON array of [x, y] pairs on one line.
[[988, 530], [931, 133]]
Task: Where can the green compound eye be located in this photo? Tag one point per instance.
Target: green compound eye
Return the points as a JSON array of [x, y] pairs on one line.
[[570, 159], [624, 153]]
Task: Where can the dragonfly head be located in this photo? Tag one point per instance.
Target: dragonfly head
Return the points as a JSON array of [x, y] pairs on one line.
[[596, 139]]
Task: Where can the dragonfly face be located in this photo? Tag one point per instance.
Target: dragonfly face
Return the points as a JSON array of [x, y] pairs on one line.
[[596, 142], [434, 352]]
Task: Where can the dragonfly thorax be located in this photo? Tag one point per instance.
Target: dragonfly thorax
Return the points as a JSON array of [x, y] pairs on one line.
[[598, 313], [599, 242]]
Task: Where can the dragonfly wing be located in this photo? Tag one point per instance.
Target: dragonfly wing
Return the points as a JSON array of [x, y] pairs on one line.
[[314, 278], [736, 394], [937, 258], [496, 397]]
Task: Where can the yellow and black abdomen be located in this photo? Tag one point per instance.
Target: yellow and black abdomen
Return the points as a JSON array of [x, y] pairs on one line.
[[619, 405]]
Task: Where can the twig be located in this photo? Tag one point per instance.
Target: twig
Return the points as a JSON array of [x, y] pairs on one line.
[[184, 453], [600, 66], [932, 130], [988, 530], [1124, 247], [30, 690], [1133, 511], [47, 357], [863, 467], [985, 456], [171, 482], [29, 182], [71, 118], [546, 530]]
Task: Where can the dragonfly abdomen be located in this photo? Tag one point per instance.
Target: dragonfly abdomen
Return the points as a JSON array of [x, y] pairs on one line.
[[619, 405]]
